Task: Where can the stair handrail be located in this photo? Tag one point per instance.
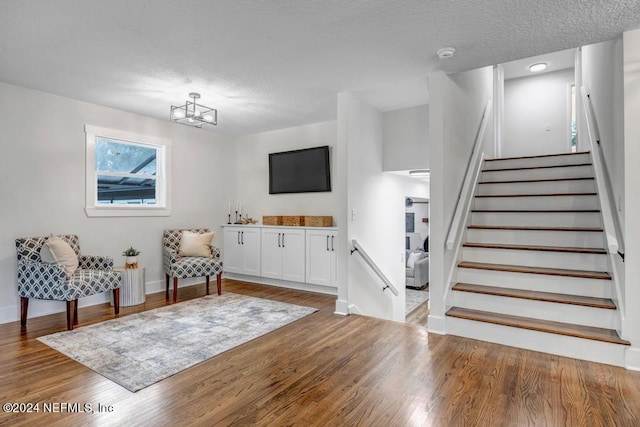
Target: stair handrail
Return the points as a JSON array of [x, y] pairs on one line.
[[468, 185], [613, 237], [605, 191], [367, 259]]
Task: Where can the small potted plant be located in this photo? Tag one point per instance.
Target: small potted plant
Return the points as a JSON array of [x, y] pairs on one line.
[[132, 257]]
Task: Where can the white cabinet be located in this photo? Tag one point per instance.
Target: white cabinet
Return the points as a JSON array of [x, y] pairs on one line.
[[283, 253], [242, 250], [321, 257]]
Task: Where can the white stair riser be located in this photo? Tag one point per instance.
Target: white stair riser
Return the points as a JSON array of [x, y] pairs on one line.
[[546, 187], [537, 219], [544, 173], [538, 161], [537, 282], [537, 202], [555, 312], [595, 351], [573, 239], [570, 261]]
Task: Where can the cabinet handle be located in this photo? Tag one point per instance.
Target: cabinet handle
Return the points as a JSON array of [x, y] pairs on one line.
[[283, 240], [279, 240], [238, 237], [242, 237], [332, 249], [327, 242]]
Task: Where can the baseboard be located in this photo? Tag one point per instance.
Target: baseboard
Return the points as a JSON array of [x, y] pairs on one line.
[[283, 284], [342, 307], [437, 325], [632, 359], [353, 309]]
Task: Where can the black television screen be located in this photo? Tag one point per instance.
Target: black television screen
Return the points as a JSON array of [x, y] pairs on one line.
[[300, 171]]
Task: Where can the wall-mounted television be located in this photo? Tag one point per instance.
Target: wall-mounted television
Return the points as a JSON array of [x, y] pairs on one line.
[[300, 171]]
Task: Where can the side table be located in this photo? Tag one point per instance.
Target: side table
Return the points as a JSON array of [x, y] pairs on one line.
[[133, 289]]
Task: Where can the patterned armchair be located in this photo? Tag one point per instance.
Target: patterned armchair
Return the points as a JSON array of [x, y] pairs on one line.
[[40, 280], [182, 267]]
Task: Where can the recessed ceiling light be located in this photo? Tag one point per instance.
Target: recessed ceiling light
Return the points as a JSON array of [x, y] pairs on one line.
[[446, 52], [419, 173], [536, 68]]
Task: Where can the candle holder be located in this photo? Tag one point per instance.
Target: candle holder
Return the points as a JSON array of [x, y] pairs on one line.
[[229, 220], [237, 220]]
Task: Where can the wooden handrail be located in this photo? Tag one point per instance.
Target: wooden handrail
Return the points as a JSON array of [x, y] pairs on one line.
[[387, 283]]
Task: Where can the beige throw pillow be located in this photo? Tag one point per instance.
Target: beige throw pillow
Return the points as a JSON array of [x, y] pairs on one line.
[[196, 244], [57, 251]]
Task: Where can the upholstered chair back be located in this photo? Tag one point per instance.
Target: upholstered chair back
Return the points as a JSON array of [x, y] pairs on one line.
[[28, 248], [171, 238]]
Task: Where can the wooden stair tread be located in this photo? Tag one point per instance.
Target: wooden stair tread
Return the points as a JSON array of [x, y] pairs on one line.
[[538, 210], [517, 181], [604, 303], [533, 228], [567, 329], [535, 167], [536, 195], [536, 270], [599, 251], [538, 156]]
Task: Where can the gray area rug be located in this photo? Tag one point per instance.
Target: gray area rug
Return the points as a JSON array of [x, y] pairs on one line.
[[414, 299], [141, 349]]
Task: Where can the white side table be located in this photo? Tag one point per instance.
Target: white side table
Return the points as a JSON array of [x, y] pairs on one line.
[[133, 289]]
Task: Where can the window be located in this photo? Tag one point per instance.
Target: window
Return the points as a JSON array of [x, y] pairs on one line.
[[127, 174]]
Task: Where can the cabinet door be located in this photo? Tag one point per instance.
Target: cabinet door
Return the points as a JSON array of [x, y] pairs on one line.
[[319, 256], [232, 255], [250, 244], [272, 253], [293, 255]]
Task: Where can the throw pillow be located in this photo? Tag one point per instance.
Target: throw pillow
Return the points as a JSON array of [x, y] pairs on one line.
[[196, 244], [413, 257], [57, 251]]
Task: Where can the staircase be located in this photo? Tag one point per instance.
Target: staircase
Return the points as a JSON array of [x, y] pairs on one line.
[[534, 272]]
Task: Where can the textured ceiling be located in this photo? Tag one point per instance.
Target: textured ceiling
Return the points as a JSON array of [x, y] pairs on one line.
[[555, 61], [274, 64]]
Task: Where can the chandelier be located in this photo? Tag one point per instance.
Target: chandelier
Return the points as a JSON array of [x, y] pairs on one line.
[[193, 114]]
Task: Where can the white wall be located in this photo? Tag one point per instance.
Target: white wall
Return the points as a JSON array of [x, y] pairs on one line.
[[404, 136], [457, 104], [602, 77], [42, 189], [377, 199], [536, 114], [632, 195], [252, 172]]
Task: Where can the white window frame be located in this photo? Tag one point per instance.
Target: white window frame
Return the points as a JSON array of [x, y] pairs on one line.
[[163, 146]]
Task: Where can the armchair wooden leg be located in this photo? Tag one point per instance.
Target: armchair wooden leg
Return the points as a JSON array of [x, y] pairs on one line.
[[219, 283], [175, 289], [207, 282], [71, 312], [167, 283], [75, 313], [116, 300], [24, 305]]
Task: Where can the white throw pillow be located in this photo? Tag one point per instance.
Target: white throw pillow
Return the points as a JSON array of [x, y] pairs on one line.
[[413, 257], [196, 244], [57, 251]]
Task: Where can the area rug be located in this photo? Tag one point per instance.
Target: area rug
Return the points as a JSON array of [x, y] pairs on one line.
[[141, 349], [414, 299]]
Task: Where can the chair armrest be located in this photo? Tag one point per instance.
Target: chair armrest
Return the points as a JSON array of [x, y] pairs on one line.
[[169, 256], [95, 262], [216, 252], [421, 271], [35, 273]]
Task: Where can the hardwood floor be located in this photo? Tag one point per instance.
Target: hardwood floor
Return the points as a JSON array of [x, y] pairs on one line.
[[323, 370]]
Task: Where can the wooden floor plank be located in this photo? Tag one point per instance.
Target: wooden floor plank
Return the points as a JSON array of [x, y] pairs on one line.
[[533, 228], [578, 331], [324, 369], [489, 196], [539, 156], [536, 270], [535, 167], [604, 303], [520, 181]]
